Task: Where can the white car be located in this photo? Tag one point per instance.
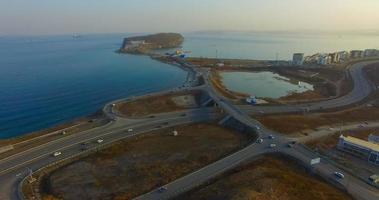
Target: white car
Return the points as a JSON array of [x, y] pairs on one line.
[[100, 141], [339, 175], [260, 141], [58, 153], [130, 130], [257, 127], [271, 137], [272, 145]]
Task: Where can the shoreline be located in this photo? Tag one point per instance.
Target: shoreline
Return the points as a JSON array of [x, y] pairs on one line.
[[191, 79], [57, 129]]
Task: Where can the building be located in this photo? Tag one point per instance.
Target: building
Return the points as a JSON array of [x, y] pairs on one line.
[[371, 53], [251, 100], [298, 59], [313, 59], [360, 148], [356, 54], [335, 57], [343, 56], [325, 59]]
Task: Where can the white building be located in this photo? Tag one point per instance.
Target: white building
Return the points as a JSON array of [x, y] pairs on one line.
[[343, 56], [356, 54], [360, 148], [371, 53], [298, 59], [325, 59]]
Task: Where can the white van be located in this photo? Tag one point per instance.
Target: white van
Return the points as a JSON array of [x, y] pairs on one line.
[[58, 153]]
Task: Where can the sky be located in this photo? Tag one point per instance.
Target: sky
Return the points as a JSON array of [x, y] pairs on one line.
[[45, 17]]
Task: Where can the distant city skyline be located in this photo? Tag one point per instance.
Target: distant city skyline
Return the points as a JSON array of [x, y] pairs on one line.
[[46, 17]]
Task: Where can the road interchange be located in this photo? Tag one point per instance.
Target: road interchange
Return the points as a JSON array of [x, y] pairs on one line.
[[13, 169]]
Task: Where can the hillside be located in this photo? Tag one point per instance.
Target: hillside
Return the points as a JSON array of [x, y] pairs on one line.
[[143, 44]]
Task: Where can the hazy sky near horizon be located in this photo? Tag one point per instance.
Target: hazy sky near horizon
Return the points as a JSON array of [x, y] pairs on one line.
[[24, 17]]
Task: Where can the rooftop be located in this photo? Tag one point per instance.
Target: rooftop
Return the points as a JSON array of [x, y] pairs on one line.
[[363, 143]]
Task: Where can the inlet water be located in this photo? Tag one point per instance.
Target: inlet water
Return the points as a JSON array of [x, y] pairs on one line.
[[262, 84]]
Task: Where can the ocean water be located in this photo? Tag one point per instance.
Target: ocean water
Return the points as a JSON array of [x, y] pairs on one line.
[[48, 80], [272, 46], [256, 84], [45, 81]]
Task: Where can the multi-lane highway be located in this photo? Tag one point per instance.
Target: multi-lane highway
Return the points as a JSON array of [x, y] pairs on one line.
[[354, 186], [13, 169]]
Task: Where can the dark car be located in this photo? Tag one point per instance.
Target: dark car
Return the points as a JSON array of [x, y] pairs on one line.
[[162, 189]]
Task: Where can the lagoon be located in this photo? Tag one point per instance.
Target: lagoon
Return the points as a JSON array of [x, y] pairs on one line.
[[262, 84]]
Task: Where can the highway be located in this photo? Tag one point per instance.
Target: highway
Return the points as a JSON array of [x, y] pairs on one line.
[[354, 186], [13, 168]]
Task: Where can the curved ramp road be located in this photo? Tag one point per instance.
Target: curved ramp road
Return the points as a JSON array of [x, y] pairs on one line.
[[355, 187], [13, 168], [362, 88]]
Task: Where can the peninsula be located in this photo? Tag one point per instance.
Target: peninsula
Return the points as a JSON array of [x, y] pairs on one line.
[[144, 44]]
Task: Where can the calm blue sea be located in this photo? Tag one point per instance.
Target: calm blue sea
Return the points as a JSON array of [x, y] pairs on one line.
[[269, 46], [48, 80], [45, 81]]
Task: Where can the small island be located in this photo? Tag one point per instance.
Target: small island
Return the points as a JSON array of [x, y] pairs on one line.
[[144, 44]]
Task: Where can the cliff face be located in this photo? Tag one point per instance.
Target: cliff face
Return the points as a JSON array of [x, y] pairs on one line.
[[142, 44]]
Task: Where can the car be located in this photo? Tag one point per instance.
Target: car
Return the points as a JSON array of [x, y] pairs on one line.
[[289, 145], [100, 141], [58, 153], [257, 127], [183, 115], [339, 175], [130, 130], [272, 146], [162, 189], [271, 137], [260, 141], [84, 148]]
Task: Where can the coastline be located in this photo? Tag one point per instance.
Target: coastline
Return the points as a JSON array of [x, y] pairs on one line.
[[191, 77], [56, 130]]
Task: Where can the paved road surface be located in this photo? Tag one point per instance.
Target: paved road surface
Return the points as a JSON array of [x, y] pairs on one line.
[[362, 88], [13, 169], [354, 186]]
